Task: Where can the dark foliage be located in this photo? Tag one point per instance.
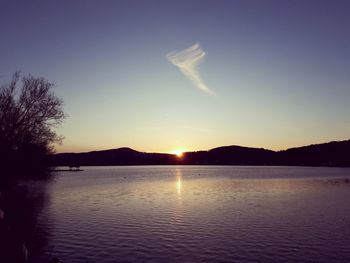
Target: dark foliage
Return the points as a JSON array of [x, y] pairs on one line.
[[28, 115]]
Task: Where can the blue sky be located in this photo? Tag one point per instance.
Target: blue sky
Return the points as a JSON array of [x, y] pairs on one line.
[[279, 70]]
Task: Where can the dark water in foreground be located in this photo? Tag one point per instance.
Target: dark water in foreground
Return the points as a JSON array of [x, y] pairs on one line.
[[192, 214]]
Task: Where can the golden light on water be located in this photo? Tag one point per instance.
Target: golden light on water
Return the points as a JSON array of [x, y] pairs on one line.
[[178, 181]]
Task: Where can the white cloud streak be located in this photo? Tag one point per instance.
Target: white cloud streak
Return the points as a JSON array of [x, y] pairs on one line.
[[187, 61]]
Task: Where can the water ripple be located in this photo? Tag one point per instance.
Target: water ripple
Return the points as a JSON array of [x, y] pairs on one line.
[[200, 214]]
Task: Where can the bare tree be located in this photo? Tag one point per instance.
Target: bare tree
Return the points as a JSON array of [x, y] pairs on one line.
[[29, 114]]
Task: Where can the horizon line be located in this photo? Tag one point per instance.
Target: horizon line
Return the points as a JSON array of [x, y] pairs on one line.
[[231, 145]]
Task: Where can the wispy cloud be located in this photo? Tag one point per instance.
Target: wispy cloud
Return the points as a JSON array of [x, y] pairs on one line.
[[187, 61]]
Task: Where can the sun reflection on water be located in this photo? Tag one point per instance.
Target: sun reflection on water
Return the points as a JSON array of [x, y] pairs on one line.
[[178, 181]]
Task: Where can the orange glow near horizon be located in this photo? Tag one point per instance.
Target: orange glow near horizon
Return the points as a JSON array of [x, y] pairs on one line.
[[178, 153]]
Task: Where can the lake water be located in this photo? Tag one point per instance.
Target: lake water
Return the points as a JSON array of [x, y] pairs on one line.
[[193, 214]]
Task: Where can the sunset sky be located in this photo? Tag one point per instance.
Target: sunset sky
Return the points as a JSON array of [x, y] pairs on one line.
[[160, 76]]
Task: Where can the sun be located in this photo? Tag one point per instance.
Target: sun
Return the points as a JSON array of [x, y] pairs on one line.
[[179, 153]]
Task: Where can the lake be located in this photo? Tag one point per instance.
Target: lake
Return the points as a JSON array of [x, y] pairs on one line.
[[191, 214]]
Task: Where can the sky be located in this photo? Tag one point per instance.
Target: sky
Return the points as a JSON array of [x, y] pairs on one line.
[[160, 76]]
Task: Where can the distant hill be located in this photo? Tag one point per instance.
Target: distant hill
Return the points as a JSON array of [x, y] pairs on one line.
[[325, 154], [230, 155], [121, 156]]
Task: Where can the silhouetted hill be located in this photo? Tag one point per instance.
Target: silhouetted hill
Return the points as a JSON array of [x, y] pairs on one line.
[[121, 156], [230, 155], [326, 154]]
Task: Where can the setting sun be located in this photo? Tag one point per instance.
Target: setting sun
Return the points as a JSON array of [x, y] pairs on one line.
[[178, 153]]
